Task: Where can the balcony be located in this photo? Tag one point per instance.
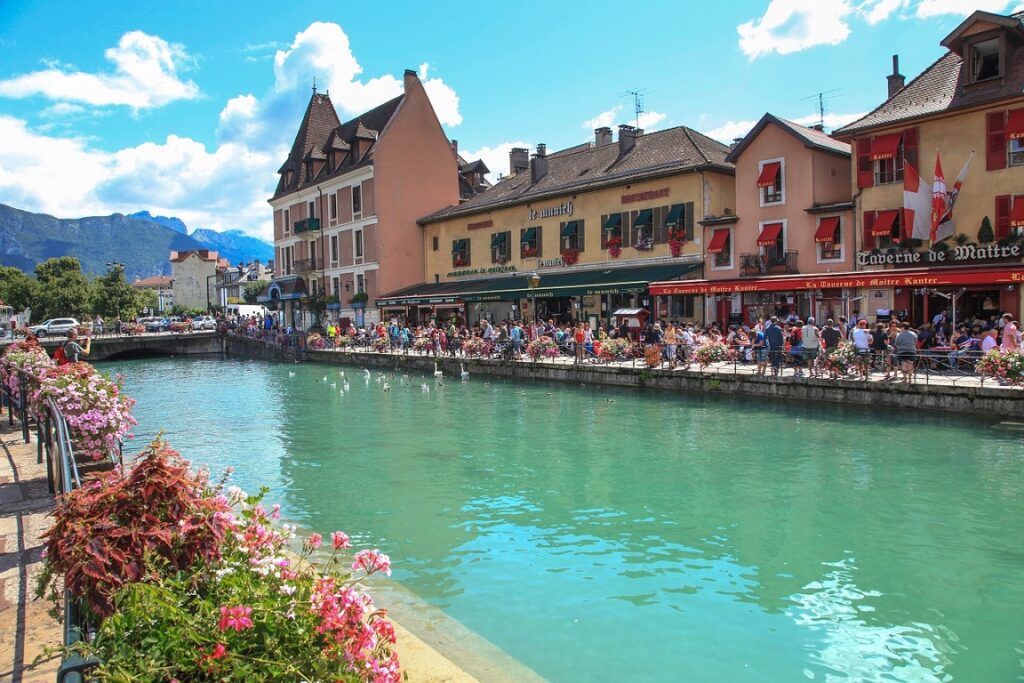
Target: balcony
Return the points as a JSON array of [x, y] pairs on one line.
[[305, 266], [308, 227], [772, 263]]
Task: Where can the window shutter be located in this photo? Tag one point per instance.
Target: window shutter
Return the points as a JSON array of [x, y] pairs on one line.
[[865, 167], [581, 233], [869, 223], [995, 146], [604, 233], [910, 147], [658, 230], [540, 241], [1003, 203], [688, 221]]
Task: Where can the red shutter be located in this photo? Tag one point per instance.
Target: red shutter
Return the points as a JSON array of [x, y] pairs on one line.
[[995, 145], [1003, 203], [910, 147], [865, 167], [869, 223]]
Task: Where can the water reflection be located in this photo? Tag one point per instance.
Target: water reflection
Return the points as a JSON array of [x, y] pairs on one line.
[[657, 536]]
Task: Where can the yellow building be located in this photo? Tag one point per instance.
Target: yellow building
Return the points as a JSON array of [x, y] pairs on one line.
[[967, 110], [589, 227]]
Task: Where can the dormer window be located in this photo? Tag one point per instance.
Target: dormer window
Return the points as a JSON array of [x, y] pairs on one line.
[[985, 60]]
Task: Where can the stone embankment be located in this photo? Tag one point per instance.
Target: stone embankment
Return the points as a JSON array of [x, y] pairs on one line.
[[963, 395]]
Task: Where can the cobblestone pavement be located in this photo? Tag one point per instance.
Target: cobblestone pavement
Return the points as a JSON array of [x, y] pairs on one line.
[[26, 629]]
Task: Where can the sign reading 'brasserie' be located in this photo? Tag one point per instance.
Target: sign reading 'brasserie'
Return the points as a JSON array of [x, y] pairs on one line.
[[964, 254]]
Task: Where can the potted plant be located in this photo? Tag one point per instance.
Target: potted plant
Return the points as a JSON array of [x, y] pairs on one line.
[[359, 299], [676, 242], [529, 252], [570, 256], [615, 246]]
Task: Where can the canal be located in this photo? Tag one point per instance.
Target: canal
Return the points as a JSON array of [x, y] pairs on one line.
[[598, 534]]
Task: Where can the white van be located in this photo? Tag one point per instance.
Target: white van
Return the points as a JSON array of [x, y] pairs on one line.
[[238, 310]]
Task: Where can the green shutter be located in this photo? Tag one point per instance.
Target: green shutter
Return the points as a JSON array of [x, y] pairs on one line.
[[688, 221]]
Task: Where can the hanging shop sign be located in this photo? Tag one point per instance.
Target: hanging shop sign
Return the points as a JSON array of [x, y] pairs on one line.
[[563, 209], [550, 262], [954, 255]]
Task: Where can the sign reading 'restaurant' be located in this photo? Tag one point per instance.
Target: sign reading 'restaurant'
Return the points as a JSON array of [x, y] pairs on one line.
[[644, 196], [564, 209], [965, 254], [480, 225]]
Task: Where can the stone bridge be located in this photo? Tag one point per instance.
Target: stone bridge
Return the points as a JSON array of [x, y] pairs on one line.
[[148, 344]]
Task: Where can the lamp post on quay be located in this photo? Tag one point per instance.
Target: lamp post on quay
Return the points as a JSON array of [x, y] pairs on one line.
[[533, 280], [111, 267]]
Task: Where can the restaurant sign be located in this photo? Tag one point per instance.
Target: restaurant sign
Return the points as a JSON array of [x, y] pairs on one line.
[[954, 255], [563, 209], [482, 271]]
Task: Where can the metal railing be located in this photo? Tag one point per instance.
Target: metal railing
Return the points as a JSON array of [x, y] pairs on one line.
[[305, 266], [772, 263]]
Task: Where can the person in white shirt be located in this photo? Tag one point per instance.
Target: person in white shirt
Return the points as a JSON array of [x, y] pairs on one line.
[[862, 342]]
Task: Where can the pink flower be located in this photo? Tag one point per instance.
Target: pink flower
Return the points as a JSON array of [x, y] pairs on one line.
[[314, 541], [340, 540], [372, 561], [276, 512], [235, 617], [219, 650]]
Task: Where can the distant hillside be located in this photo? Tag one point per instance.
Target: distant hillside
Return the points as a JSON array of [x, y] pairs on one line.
[[175, 224], [142, 245], [235, 245]]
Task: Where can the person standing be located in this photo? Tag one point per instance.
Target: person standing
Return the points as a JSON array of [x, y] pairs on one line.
[[73, 351], [862, 342], [671, 342], [776, 343], [906, 351], [1011, 334], [812, 344]]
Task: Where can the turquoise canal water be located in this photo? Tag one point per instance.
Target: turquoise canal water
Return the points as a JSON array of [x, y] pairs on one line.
[[621, 536]]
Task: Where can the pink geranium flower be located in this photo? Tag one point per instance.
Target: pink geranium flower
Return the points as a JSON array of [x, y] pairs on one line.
[[314, 541], [340, 540], [236, 618], [371, 561]]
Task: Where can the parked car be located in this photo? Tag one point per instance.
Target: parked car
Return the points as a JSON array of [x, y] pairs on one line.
[[54, 326], [204, 322], [157, 324]]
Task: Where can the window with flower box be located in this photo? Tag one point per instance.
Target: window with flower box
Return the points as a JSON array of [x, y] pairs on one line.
[[530, 242], [501, 247], [460, 253], [571, 233]]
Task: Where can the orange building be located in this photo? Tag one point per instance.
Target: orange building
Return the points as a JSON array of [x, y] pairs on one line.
[[793, 218], [347, 201]]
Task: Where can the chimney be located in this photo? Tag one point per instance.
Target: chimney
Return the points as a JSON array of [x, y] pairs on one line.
[[455, 146], [518, 160], [602, 136], [895, 79], [539, 163], [735, 143], [820, 127], [409, 79], [627, 138]]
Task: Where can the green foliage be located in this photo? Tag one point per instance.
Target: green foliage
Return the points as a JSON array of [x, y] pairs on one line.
[[985, 232], [145, 298], [961, 239], [62, 289], [359, 298], [940, 246], [112, 296], [16, 288], [254, 289]]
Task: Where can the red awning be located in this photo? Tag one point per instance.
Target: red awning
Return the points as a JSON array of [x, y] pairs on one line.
[[1015, 124], [884, 222], [721, 236], [827, 229], [768, 174], [885, 146], [769, 234], [1017, 212]]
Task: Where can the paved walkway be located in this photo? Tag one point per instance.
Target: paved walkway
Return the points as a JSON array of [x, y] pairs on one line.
[[26, 628]]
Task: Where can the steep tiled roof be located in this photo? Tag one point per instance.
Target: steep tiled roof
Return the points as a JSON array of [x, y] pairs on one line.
[[940, 88], [157, 281], [317, 123], [668, 151], [812, 138], [204, 254]]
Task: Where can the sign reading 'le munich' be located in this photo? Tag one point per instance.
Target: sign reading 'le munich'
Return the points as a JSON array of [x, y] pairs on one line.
[[563, 209], [966, 253]]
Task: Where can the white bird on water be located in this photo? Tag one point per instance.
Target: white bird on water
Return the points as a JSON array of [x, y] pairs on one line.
[[425, 388], [334, 385], [324, 380], [345, 386], [387, 387], [437, 372], [464, 374], [291, 374], [366, 373]]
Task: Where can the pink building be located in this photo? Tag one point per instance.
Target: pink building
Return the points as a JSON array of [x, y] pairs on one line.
[[793, 221], [347, 201]]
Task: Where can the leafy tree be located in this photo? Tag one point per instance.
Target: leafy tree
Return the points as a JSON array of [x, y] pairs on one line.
[[113, 296], [62, 289], [17, 289], [145, 298], [254, 289], [985, 233]]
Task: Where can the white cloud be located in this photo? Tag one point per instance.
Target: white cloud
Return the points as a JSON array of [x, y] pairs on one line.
[[605, 119], [792, 25], [224, 188], [875, 11], [495, 157], [61, 110], [145, 75], [730, 130], [932, 8], [832, 121], [649, 120], [442, 98]]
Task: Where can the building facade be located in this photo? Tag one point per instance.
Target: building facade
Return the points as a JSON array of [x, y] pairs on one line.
[[232, 282], [966, 111], [347, 201], [164, 288], [576, 234], [193, 278], [793, 218]]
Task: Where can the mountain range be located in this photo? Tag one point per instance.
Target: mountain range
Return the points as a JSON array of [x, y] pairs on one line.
[[141, 241]]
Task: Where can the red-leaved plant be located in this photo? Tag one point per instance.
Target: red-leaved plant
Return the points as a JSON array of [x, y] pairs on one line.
[[113, 530]]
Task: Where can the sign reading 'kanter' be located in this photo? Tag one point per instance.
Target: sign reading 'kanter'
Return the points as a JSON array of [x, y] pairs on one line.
[[965, 254]]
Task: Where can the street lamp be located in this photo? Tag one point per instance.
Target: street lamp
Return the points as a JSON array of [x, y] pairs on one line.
[[114, 265], [533, 280]]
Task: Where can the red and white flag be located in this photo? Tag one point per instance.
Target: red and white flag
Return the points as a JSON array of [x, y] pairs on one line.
[[917, 204], [946, 227], [938, 199]]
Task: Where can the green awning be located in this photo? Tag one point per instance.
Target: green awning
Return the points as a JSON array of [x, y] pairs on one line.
[[577, 283], [529, 235], [498, 239], [458, 246], [675, 214], [569, 229], [613, 223], [644, 219]]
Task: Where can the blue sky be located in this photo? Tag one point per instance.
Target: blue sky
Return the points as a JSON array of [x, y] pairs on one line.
[[188, 108]]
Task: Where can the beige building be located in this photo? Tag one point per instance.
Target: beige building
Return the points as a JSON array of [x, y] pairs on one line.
[[591, 226], [164, 288], [193, 276]]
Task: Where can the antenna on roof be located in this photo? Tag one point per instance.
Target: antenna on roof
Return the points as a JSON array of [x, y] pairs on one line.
[[314, 85], [638, 102], [822, 98]]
